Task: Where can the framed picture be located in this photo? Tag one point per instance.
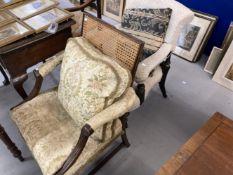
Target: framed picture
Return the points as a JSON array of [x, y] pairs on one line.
[[228, 38], [114, 9], [224, 73], [5, 18], [32, 8], [42, 21], [214, 60], [5, 3], [13, 32], [194, 36]]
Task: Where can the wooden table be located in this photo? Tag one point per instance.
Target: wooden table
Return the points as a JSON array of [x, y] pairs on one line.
[[17, 57], [208, 152], [10, 145]]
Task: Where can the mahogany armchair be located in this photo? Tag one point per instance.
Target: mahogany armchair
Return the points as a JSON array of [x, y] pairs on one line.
[[60, 143]]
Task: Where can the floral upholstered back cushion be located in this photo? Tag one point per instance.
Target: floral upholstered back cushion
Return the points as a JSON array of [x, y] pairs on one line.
[[149, 25], [89, 81]]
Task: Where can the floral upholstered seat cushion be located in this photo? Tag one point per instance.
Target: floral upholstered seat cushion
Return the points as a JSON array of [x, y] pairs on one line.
[[51, 133], [89, 82]]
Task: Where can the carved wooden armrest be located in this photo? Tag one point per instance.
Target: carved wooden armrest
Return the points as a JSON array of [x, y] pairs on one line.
[[44, 70], [127, 103], [146, 66], [76, 152]]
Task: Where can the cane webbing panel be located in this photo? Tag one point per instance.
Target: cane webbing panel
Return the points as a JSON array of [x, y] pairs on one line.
[[112, 42]]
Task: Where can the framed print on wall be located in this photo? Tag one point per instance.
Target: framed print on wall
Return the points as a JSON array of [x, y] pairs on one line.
[[194, 36], [32, 8], [224, 73], [113, 9]]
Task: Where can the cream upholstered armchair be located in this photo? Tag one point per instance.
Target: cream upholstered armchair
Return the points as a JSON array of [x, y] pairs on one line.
[[67, 127], [154, 69]]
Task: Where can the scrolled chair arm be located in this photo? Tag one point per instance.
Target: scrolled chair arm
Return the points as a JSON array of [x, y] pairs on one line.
[[147, 66], [50, 64], [40, 73], [86, 131], [126, 104]]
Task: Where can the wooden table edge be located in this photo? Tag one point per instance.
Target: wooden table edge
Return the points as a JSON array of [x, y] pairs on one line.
[[192, 145]]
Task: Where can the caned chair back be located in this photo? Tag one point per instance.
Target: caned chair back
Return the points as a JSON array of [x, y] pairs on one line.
[[112, 42]]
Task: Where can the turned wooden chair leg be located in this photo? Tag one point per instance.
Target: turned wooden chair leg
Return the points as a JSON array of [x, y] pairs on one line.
[[124, 121], [165, 69], [98, 8], [10, 145], [140, 91]]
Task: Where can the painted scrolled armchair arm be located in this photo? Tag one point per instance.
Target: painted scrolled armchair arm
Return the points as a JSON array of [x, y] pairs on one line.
[[126, 104], [146, 66]]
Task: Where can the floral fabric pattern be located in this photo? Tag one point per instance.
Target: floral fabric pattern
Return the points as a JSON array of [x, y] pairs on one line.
[[149, 25], [89, 82], [51, 133]]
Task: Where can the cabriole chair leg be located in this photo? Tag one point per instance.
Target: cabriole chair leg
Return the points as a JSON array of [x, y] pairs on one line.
[[165, 69]]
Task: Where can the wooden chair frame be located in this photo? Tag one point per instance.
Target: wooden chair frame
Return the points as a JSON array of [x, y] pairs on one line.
[[86, 130]]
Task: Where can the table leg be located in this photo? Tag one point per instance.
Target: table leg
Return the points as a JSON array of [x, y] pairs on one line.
[[6, 81], [10, 145], [18, 85]]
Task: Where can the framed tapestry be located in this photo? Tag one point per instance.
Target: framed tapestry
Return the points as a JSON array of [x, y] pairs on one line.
[[32, 8], [5, 18], [194, 36], [42, 21], [224, 73], [113, 9], [13, 32]]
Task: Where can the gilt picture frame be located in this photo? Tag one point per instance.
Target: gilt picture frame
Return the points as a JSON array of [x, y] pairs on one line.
[[5, 18], [42, 21], [113, 9], [195, 36], [13, 32], [224, 73], [32, 8]]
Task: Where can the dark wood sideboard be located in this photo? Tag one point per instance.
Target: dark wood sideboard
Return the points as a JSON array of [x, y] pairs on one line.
[[17, 57]]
